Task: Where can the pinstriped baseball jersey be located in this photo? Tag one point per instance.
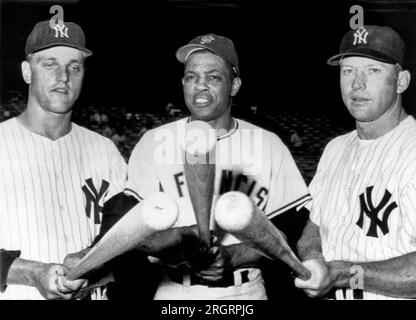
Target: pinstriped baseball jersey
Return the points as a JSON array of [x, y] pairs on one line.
[[248, 159], [52, 193], [364, 197]]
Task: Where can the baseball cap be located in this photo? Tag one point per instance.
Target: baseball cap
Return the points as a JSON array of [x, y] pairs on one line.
[[219, 45], [43, 36], [375, 42]]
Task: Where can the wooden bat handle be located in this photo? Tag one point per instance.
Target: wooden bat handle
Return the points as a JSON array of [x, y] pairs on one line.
[[236, 213], [199, 169]]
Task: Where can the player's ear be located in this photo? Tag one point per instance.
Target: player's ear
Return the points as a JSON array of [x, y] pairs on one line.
[[236, 86], [403, 81], [26, 72]]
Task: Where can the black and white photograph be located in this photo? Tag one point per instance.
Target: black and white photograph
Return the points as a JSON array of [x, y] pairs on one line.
[[194, 150]]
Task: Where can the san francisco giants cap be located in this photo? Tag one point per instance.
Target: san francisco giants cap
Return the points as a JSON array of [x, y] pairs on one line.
[[68, 34], [219, 45], [375, 42]]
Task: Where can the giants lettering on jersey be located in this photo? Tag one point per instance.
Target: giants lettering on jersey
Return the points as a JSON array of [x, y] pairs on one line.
[[94, 199], [367, 207], [232, 181]]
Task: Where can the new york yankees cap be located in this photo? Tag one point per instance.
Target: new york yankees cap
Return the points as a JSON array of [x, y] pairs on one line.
[[376, 42], [43, 36], [221, 46]]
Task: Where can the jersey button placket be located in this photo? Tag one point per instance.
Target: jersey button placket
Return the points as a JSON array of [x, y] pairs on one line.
[[61, 188], [59, 179]]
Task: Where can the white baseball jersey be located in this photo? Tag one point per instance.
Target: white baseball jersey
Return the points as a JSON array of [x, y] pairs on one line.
[[52, 193], [248, 159], [364, 198]]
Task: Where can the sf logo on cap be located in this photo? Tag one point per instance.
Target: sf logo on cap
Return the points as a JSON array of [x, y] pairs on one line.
[[207, 39], [360, 36]]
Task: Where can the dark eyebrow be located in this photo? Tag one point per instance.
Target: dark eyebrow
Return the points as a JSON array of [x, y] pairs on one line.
[[367, 65], [215, 70], [376, 65], [76, 61], [209, 71], [43, 57]]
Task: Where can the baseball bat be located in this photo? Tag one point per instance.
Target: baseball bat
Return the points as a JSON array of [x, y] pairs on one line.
[[199, 169], [236, 213], [156, 213]]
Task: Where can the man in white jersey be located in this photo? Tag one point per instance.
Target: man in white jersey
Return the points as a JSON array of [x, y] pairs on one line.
[[249, 159], [55, 176], [360, 240]]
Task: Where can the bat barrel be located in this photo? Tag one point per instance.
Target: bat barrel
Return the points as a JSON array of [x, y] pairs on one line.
[[156, 213], [159, 211], [236, 213], [233, 211]]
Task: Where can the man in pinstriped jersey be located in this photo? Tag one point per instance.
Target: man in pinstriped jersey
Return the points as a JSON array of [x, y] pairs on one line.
[[55, 176], [360, 240]]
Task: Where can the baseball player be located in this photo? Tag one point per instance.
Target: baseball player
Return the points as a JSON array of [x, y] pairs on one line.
[[267, 174], [55, 176], [360, 240]]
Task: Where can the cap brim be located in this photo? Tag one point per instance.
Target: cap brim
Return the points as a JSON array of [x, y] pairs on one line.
[[367, 53], [183, 52], [63, 44]]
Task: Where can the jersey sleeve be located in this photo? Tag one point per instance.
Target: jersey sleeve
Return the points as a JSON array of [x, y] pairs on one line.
[[287, 188], [6, 259], [118, 172], [142, 175], [316, 185], [407, 205]]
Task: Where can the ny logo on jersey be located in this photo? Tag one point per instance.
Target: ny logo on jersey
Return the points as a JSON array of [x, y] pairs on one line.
[[61, 31], [94, 198], [360, 36], [367, 207]]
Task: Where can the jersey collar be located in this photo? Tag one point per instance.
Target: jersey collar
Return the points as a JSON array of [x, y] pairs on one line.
[[229, 133]]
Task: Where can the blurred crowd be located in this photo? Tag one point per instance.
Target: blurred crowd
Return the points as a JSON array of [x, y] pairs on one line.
[[304, 134], [122, 125], [12, 106]]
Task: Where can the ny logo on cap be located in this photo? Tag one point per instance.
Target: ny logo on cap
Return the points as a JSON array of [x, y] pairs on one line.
[[61, 31], [207, 39], [360, 36]]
